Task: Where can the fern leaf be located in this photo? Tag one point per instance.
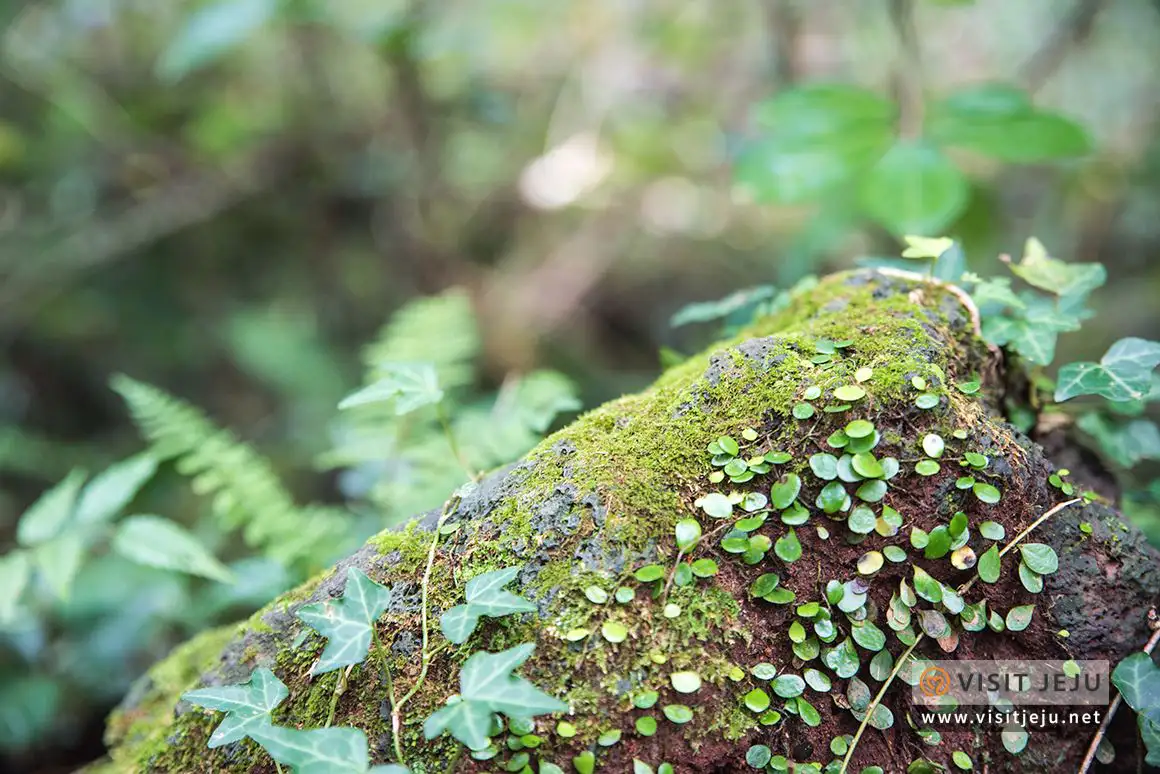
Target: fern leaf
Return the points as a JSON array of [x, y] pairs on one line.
[[440, 330], [245, 491]]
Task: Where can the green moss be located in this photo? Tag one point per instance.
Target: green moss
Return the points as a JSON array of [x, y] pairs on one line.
[[136, 735], [643, 457]]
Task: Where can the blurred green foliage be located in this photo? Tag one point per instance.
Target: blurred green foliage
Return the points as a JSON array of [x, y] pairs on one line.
[[230, 199]]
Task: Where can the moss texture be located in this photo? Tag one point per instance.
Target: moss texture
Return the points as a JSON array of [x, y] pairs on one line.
[[599, 499]]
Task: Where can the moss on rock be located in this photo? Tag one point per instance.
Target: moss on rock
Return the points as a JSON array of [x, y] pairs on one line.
[[599, 499]]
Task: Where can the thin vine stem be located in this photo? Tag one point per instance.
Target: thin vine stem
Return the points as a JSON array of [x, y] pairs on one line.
[[339, 688], [873, 705], [397, 707], [445, 421], [1115, 705]]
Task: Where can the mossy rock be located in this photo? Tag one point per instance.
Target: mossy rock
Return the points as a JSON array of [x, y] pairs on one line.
[[600, 499]]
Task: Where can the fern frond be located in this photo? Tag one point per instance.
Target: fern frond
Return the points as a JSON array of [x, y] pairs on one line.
[[440, 330], [246, 492]]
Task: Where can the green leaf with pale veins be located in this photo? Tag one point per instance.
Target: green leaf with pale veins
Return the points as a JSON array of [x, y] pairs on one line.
[[1124, 373], [347, 622], [409, 385], [485, 596], [1137, 678], [466, 721], [341, 750], [487, 678], [487, 686], [247, 706]]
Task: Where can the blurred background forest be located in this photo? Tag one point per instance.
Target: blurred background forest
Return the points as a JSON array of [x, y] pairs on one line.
[[231, 199]]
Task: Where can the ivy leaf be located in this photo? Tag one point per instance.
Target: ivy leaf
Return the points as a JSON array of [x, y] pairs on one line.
[[485, 596], [409, 385], [1123, 373], [914, 189], [1137, 678], [1126, 444], [487, 686], [157, 542], [486, 678], [1068, 280], [819, 138], [467, 721], [247, 706], [347, 622], [1000, 121], [113, 488], [46, 517], [341, 750]]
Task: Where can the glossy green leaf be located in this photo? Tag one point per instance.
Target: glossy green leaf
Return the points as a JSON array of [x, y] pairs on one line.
[[1019, 618], [784, 492], [986, 493], [787, 547], [989, 565], [1039, 557], [824, 466], [717, 505], [1000, 121], [914, 189], [819, 137]]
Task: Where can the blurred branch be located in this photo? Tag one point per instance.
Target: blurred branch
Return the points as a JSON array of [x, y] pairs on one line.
[[1071, 31], [909, 72], [41, 270], [784, 24]]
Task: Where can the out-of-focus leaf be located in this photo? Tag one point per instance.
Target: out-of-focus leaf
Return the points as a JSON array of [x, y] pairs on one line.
[[914, 189], [1123, 373], [707, 311], [210, 32], [30, 706], [15, 572], [112, 489], [1126, 444], [157, 542], [45, 518], [59, 560], [409, 385], [818, 137], [1070, 280], [1000, 121]]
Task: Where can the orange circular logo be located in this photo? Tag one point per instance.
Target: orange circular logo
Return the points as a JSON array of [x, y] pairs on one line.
[[934, 681]]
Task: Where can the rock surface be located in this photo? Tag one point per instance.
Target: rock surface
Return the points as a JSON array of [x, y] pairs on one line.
[[600, 499]]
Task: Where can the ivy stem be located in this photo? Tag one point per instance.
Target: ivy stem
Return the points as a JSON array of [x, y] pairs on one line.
[[396, 711], [962, 590], [873, 705], [672, 574], [1115, 705], [339, 688], [395, 725], [278, 766]]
